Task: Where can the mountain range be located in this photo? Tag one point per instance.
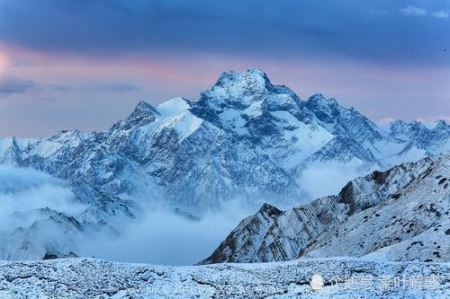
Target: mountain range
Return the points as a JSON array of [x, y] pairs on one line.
[[242, 139]]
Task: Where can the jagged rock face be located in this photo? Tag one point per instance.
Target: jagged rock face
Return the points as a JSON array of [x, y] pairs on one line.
[[410, 224], [343, 122], [420, 135], [401, 214], [244, 138]]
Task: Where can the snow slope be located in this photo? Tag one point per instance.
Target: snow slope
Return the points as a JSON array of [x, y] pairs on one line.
[[401, 214], [342, 278]]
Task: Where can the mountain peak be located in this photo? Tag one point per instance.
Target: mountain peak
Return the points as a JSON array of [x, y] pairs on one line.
[[416, 125], [324, 108], [441, 124], [143, 114], [144, 110], [144, 107], [400, 125], [253, 80], [319, 99], [270, 210]]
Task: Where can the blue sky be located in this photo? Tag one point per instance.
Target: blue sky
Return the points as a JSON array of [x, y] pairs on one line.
[[84, 64]]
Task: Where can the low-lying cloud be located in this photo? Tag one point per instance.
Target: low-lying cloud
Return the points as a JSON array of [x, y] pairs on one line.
[[158, 236], [25, 191], [330, 178], [163, 237]]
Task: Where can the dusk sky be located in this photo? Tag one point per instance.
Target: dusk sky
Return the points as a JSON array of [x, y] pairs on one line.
[[67, 64]]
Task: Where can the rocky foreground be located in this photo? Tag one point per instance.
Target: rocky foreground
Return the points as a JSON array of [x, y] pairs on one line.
[[341, 278]]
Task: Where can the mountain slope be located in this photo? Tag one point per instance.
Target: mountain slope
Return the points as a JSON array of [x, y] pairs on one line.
[[401, 214]]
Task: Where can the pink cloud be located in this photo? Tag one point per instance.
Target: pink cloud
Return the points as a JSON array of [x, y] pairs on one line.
[[375, 90]]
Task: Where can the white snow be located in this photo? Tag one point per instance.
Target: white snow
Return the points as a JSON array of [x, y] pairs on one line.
[[254, 109], [185, 124], [343, 278], [304, 139], [172, 114], [232, 119], [172, 107]]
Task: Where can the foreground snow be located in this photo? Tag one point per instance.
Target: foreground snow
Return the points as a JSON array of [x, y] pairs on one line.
[[343, 278]]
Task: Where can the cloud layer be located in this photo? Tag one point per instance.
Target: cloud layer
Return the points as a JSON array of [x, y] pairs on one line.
[[85, 64], [420, 11], [11, 85], [311, 28], [413, 11], [159, 236], [23, 191], [162, 237]]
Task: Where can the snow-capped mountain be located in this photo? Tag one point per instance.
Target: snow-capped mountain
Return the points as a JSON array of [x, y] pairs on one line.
[[401, 214], [243, 138], [421, 136]]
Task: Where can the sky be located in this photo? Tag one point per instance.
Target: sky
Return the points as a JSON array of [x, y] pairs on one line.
[[84, 64]]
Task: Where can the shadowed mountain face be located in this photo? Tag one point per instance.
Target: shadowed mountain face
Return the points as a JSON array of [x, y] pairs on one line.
[[401, 214], [244, 138]]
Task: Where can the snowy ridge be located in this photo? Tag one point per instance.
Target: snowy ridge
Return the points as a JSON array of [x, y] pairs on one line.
[[242, 139], [401, 214], [81, 278]]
